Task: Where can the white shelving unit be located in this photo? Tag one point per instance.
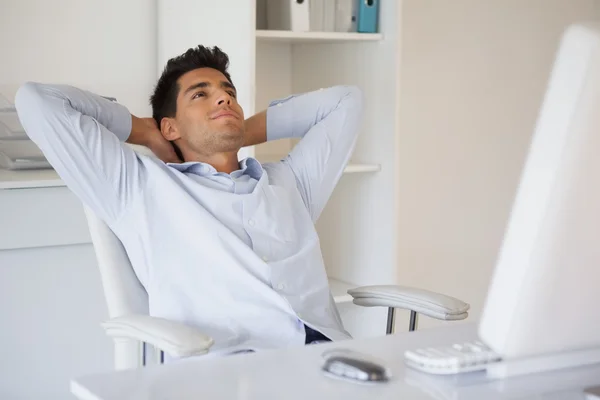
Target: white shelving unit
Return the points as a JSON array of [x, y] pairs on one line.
[[357, 228]]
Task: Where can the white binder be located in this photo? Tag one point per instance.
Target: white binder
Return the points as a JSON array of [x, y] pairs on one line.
[[346, 15], [288, 15], [315, 9], [328, 10]]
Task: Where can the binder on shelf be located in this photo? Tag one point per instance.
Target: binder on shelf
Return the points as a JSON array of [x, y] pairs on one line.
[[368, 11], [315, 17], [346, 15], [288, 15], [328, 11]]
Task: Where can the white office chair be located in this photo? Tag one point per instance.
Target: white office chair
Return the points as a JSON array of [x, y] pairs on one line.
[[133, 329]]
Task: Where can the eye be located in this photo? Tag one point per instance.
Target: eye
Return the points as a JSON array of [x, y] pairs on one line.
[[198, 94], [232, 94]]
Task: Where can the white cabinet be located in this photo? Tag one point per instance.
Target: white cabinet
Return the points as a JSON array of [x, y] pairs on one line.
[[356, 229], [51, 297]]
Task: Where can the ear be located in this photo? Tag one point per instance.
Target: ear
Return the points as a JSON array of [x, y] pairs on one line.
[[169, 130]]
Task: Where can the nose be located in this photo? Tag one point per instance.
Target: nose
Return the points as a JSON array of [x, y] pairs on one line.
[[223, 98]]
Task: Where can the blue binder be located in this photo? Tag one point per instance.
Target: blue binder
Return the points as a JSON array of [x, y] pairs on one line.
[[368, 11]]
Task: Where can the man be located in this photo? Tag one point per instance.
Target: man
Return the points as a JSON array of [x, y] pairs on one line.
[[225, 245]]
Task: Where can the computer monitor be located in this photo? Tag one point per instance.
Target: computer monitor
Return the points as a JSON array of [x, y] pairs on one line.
[[544, 296]]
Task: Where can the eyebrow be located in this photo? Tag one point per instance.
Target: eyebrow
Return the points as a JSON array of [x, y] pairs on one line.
[[199, 85]]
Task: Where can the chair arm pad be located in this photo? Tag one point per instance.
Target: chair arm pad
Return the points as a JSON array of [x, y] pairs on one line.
[[174, 338], [428, 303]]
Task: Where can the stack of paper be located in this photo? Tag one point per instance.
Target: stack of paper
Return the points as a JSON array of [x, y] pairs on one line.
[[21, 154], [10, 126], [4, 103], [17, 151]]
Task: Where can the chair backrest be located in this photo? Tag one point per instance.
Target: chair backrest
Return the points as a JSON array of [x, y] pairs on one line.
[[123, 291]]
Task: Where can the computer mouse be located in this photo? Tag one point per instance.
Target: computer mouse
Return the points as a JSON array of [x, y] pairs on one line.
[[353, 367]]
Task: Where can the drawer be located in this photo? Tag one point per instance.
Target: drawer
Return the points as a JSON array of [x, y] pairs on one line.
[[40, 217]]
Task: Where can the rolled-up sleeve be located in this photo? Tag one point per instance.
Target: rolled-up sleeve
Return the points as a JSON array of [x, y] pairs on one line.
[[328, 122], [82, 134]]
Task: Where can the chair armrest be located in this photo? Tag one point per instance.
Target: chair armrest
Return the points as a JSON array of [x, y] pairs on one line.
[[174, 338], [428, 303]]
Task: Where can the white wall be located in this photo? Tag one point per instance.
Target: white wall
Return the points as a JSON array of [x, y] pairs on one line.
[[108, 47], [473, 75]]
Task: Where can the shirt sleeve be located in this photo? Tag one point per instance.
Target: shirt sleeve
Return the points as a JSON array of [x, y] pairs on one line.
[[81, 135], [328, 122]]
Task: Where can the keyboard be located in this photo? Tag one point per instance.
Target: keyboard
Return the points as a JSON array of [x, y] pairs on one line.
[[451, 359]]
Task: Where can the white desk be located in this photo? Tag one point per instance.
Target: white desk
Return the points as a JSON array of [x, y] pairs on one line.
[[294, 374]]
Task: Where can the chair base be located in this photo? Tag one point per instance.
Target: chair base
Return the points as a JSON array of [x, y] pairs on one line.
[[391, 321]]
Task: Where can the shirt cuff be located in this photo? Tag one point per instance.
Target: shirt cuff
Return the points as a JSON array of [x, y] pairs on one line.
[[279, 119], [120, 121]]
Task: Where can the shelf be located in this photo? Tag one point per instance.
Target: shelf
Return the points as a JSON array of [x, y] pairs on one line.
[[351, 168], [315, 37], [354, 168], [25, 179], [339, 290], [49, 178]]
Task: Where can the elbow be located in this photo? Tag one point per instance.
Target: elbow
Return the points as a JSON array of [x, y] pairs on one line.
[[29, 101], [34, 102], [352, 96], [352, 99], [28, 95]]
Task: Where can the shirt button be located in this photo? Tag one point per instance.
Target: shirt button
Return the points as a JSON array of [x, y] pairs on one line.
[[251, 222], [265, 258], [280, 286], [279, 104]]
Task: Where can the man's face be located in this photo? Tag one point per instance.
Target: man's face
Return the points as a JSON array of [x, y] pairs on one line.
[[209, 119]]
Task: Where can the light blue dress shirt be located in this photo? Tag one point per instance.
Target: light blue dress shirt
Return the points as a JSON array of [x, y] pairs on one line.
[[236, 255]]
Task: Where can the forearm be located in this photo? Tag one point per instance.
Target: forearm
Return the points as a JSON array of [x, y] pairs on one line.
[[295, 116], [57, 103]]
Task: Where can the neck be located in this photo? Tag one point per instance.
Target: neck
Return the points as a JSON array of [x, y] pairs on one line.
[[222, 162]]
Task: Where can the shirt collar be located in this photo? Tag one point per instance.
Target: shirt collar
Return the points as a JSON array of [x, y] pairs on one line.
[[249, 166]]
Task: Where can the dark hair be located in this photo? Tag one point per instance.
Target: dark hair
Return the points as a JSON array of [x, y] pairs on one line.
[[164, 98]]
